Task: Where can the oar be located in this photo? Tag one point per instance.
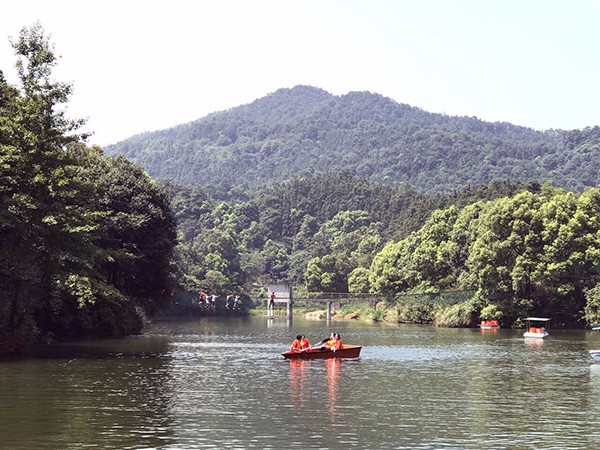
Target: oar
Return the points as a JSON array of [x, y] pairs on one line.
[[314, 346]]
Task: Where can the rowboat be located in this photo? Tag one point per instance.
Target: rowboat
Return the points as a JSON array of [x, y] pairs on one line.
[[347, 351], [595, 354], [536, 327]]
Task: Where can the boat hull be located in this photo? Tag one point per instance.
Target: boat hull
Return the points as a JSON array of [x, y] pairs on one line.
[[595, 354], [530, 335], [347, 351]]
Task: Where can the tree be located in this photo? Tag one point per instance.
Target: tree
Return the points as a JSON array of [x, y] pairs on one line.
[[39, 219], [85, 239]]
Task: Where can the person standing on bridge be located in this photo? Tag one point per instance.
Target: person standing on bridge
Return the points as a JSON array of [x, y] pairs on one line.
[[272, 301]]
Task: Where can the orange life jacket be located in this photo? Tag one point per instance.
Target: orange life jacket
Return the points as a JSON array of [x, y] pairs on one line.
[[304, 344], [296, 346], [334, 344]]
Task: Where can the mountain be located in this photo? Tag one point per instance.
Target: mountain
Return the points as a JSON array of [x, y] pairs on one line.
[[305, 131]]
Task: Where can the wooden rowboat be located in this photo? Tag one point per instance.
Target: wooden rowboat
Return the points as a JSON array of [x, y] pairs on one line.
[[347, 351]]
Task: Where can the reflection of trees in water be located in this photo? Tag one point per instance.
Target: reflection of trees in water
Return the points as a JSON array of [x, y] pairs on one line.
[[107, 394]]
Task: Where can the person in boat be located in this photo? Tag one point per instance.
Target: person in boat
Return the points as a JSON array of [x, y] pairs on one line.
[[296, 346], [337, 343], [304, 343], [330, 341]]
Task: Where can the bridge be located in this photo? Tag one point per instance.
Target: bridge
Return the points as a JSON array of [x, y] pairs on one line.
[[331, 298], [283, 294]]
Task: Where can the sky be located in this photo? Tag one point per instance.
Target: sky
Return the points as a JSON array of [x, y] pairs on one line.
[[148, 65]]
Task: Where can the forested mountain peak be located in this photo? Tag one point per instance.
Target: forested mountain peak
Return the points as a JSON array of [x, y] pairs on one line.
[[284, 104], [305, 131]]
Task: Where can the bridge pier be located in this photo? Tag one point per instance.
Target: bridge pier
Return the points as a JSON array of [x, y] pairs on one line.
[[288, 307], [329, 303]]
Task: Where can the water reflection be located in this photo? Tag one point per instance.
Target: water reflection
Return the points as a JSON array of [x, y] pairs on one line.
[[334, 378], [298, 370], [535, 344], [104, 394], [489, 330], [224, 384]]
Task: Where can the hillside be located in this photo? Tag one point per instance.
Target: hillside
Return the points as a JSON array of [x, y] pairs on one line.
[[305, 131]]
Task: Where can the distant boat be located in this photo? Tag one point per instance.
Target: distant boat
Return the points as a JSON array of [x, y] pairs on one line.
[[595, 354], [595, 328], [536, 327], [489, 325]]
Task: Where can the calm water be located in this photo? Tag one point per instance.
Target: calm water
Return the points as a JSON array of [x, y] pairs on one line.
[[223, 384]]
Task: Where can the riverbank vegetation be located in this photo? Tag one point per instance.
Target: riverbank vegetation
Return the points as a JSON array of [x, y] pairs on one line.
[[517, 251]]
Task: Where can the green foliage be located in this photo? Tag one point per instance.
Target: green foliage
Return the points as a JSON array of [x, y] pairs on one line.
[[415, 313], [592, 307], [303, 131], [275, 233], [525, 253], [84, 240], [457, 315], [490, 311], [358, 281]]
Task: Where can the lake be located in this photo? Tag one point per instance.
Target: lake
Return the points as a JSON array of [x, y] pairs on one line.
[[222, 383]]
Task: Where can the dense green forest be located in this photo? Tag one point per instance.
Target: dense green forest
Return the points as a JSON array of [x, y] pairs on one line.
[[312, 231], [86, 240], [517, 249], [335, 194], [531, 252], [304, 131]]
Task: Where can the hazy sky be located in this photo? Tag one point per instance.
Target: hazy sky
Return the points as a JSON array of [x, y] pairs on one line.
[[147, 65]]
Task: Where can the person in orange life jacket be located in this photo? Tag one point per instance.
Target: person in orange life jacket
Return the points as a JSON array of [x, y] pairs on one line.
[[330, 342], [337, 342], [296, 346], [304, 344]]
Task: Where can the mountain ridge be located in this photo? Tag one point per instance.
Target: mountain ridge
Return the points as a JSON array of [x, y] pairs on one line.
[[304, 131]]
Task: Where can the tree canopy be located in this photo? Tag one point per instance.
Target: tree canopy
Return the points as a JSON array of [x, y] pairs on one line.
[[85, 239], [305, 131]]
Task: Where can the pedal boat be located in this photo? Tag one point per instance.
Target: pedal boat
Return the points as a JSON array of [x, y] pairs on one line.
[[536, 327]]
